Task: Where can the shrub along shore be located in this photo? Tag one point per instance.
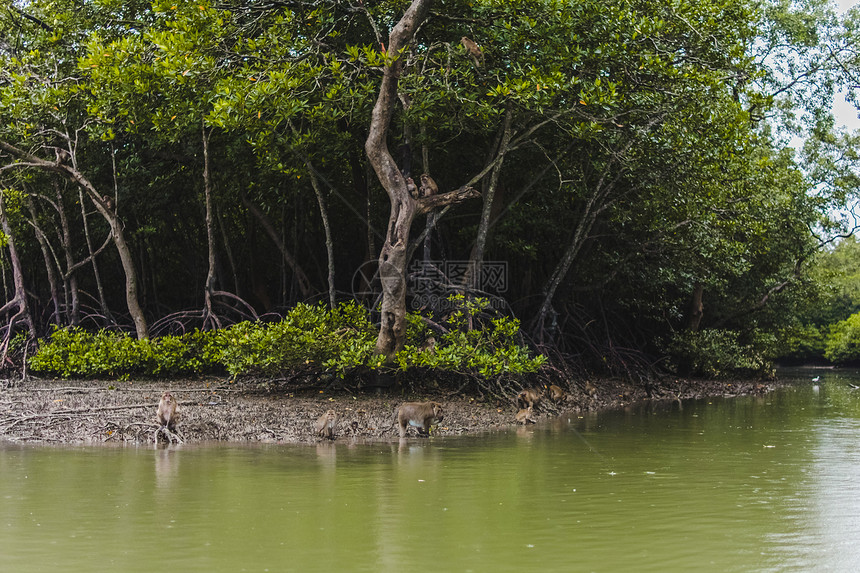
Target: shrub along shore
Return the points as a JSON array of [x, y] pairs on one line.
[[310, 339], [269, 382]]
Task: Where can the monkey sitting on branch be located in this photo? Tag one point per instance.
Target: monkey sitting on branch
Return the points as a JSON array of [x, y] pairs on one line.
[[414, 192], [473, 51], [428, 186]]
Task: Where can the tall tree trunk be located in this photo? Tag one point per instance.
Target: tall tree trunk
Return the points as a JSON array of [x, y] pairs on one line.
[[301, 277], [329, 242], [371, 243], [5, 268], [126, 259], [228, 251], [430, 223], [594, 206], [107, 211], [106, 314], [19, 301], [473, 273], [697, 308], [70, 280], [50, 267], [208, 312], [601, 199], [393, 256]]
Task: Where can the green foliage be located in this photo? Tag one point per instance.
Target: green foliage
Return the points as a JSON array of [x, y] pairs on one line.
[[804, 343], [719, 353], [310, 337], [470, 343], [74, 352], [640, 130], [843, 341], [839, 270], [833, 298]]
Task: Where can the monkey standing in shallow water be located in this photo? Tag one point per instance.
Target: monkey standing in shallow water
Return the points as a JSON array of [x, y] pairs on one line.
[[524, 416], [422, 415], [325, 424], [168, 413]]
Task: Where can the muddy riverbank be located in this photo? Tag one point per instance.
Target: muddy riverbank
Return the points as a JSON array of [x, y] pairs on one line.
[[91, 412]]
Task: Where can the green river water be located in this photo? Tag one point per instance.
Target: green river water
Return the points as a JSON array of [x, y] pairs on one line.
[[730, 484]]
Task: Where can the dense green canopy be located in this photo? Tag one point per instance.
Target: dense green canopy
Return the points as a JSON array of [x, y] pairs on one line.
[[168, 165]]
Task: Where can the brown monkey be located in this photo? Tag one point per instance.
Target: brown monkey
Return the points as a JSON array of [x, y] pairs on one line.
[[556, 394], [325, 425], [168, 414], [473, 50], [524, 416], [413, 189], [530, 397], [429, 345], [422, 415], [428, 186]]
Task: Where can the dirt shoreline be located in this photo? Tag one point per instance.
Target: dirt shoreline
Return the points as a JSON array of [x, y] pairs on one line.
[[89, 412]]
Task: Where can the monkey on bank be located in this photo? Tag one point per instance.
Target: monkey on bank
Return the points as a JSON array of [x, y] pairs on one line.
[[168, 413], [556, 394], [529, 398], [524, 416], [422, 415], [325, 424]]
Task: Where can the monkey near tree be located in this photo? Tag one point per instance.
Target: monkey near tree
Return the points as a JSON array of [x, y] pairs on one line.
[[325, 424], [428, 186], [473, 50], [422, 415], [168, 414], [62, 155], [412, 188]]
